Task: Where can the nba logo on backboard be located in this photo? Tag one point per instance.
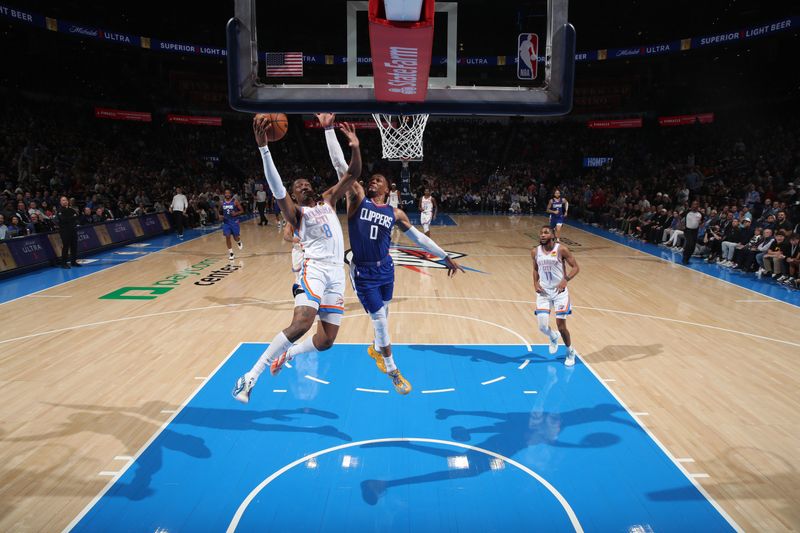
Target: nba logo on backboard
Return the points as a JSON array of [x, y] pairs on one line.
[[527, 52]]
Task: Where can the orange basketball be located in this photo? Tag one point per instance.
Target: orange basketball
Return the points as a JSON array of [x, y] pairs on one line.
[[278, 125]]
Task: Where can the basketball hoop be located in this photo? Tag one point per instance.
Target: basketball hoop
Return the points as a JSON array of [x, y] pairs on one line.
[[401, 135]]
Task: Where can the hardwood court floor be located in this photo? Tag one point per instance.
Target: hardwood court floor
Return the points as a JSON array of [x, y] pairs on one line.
[[707, 365]]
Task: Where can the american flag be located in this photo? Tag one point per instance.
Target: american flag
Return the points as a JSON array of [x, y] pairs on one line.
[[284, 63]]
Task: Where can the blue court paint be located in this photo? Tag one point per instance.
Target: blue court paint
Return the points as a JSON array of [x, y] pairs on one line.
[[741, 279], [47, 277], [442, 219], [572, 433]]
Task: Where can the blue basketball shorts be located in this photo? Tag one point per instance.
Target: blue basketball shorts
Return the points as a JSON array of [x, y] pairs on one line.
[[230, 228], [373, 284]]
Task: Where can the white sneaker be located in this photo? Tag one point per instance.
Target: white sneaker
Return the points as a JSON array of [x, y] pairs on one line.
[[240, 244], [570, 360], [231, 257], [241, 392], [553, 348]]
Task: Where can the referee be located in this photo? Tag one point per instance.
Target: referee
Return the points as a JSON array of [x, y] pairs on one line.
[[693, 220], [68, 229]]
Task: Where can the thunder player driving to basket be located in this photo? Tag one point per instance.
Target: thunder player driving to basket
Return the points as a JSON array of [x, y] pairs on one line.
[[322, 275], [370, 224], [550, 283]]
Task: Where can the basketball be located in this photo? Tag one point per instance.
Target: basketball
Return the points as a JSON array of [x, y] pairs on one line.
[[279, 123]]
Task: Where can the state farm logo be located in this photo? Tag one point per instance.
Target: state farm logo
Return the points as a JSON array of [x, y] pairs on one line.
[[403, 69]]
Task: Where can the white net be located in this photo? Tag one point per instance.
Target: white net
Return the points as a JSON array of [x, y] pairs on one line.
[[401, 135]]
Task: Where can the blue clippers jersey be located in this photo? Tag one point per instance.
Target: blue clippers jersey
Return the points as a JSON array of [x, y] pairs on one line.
[[558, 205], [228, 207], [371, 231]]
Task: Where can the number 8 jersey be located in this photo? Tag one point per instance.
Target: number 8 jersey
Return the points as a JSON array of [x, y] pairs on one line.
[[320, 234]]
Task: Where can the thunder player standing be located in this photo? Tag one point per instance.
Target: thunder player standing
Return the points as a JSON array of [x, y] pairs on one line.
[[322, 277], [230, 208], [427, 211], [550, 282], [557, 208], [370, 224]]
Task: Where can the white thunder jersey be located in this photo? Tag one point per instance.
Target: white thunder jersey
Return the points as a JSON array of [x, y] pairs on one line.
[[427, 205], [321, 234], [551, 268], [394, 198]]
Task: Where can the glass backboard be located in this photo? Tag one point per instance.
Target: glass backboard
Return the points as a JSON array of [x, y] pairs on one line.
[[500, 58]]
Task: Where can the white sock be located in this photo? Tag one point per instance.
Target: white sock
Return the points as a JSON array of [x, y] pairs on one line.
[[230, 250], [389, 362], [278, 345], [307, 346]]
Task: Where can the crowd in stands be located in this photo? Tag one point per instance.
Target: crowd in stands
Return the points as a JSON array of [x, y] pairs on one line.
[[107, 170], [742, 178]]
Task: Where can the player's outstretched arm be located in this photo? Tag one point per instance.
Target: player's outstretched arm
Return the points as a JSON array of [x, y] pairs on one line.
[[424, 242], [335, 193], [566, 256], [288, 207], [326, 120], [356, 193]]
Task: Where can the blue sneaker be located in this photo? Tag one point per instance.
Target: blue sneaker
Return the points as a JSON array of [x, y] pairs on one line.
[[241, 392]]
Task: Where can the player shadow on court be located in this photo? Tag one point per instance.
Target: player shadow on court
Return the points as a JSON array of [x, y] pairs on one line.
[[511, 434], [118, 421], [624, 352], [478, 355], [736, 471]]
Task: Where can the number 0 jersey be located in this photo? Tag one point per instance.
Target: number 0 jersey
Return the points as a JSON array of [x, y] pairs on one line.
[[321, 234], [371, 231]]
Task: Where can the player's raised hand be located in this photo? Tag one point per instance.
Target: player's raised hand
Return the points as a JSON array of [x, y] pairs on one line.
[[326, 120], [452, 267], [350, 132], [260, 125]]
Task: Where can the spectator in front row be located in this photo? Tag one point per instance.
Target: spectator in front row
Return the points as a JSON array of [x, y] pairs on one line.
[[15, 228], [102, 214], [763, 248], [730, 238], [36, 225], [773, 261], [87, 218], [745, 255], [3, 228], [713, 241], [792, 260]]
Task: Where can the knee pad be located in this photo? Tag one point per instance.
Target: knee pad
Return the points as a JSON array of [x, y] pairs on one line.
[[381, 324]]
